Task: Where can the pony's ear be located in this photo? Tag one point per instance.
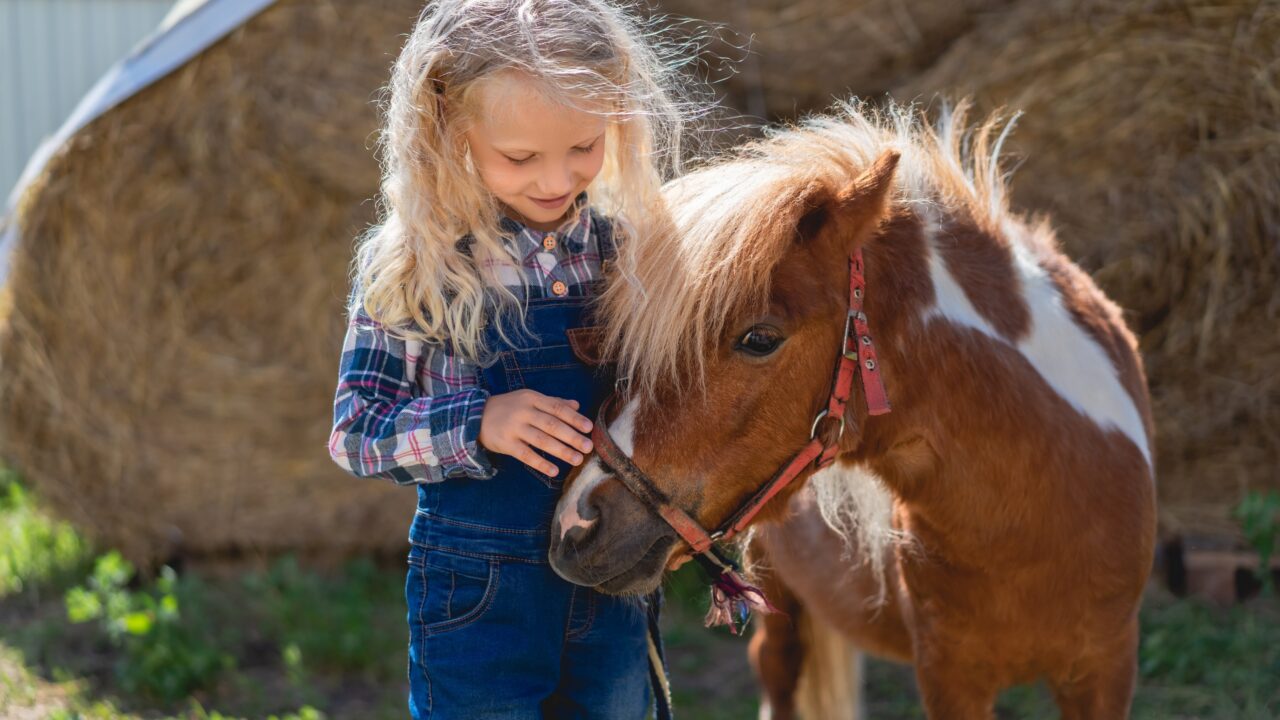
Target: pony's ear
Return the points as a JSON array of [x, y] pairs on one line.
[[856, 208], [870, 191]]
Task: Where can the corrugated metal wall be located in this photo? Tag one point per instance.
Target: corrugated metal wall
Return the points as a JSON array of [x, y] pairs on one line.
[[51, 53]]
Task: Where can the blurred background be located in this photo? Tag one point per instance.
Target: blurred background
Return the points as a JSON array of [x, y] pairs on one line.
[[184, 185], [53, 53]]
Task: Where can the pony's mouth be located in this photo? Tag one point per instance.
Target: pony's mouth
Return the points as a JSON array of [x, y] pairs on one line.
[[645, 575], [605, 564]]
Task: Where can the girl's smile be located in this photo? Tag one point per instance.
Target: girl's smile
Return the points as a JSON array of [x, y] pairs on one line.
[[553, 203], [534, 154]]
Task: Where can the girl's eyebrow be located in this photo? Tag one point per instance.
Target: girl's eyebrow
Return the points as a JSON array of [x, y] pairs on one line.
[[517, 151]]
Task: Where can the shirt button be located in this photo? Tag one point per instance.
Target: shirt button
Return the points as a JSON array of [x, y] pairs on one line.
[[559, 288], [549, 242]]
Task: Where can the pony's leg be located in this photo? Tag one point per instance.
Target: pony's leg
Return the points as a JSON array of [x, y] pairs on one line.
[[776, 650], [951, 691], [1105, 689]]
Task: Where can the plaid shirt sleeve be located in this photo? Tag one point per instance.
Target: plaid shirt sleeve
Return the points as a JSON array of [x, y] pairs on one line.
[[387, 424]]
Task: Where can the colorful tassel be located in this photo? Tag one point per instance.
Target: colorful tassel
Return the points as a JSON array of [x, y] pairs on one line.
[[733, 599]]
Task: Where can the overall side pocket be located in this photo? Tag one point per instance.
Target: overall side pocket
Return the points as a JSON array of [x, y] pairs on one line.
[[450, 591]]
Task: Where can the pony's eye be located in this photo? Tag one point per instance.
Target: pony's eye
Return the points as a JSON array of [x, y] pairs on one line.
[[760, 340]]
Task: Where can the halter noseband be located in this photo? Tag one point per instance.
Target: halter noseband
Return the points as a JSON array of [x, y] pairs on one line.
[[857, 357]]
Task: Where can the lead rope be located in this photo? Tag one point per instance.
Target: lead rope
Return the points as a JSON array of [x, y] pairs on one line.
[[659, 680]]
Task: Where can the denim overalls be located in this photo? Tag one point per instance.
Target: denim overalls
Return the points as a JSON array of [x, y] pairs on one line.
[[494, 632]]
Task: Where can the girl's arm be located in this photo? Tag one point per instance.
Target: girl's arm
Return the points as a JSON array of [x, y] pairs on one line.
[[385, 426]]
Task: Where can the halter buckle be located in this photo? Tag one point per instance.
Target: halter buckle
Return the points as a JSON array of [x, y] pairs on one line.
[[813, 430], [844, 341]]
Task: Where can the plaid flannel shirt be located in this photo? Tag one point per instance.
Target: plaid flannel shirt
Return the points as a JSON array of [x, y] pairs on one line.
[[410, 412]]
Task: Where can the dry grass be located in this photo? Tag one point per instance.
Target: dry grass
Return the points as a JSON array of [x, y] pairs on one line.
[[797, 55], [169, 360]]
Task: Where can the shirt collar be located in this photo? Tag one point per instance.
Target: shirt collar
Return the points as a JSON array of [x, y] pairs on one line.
[[573, 234]]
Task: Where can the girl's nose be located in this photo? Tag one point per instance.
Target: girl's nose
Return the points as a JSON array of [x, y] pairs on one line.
[[556, 181]]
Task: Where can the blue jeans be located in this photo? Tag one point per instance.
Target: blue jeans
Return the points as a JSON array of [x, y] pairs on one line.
[[495, 638], [494, 632]]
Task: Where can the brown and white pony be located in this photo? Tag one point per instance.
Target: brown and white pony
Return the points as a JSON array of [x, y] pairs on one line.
[[996, 527]]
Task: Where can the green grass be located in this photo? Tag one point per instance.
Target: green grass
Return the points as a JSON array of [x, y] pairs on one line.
[[294, 643], [34, 550]]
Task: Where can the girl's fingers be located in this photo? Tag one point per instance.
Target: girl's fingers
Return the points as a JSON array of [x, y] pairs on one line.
[[566, 410], [526, 455], [552, 446], [558, 429]]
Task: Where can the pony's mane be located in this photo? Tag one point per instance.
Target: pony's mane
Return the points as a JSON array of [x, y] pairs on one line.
[[731, 223]]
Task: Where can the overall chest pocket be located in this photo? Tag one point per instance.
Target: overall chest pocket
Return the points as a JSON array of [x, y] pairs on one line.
[[555, 371]]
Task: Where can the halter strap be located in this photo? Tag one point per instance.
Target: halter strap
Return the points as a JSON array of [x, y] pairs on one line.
[[639, 484]]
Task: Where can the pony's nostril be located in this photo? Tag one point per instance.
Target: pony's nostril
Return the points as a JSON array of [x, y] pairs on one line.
[[578, 523], [579, 535]]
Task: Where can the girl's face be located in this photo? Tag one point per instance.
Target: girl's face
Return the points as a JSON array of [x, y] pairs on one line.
[[534, 155]]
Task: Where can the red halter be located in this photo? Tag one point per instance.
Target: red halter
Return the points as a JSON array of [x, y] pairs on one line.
[[857, 357]]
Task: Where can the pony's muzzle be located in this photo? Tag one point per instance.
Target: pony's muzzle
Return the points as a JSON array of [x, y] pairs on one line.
[[603, 536]]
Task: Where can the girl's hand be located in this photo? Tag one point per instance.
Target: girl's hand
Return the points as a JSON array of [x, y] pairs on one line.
[[516, 422]]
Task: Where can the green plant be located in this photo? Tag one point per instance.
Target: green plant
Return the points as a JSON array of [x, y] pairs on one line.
[[1208, 662], [1259, 517], [306, 712], [164, 656], [34, 549], [334, 623]]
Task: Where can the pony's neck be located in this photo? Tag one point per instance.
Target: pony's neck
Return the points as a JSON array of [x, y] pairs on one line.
[[954, 443], [1015, 387]]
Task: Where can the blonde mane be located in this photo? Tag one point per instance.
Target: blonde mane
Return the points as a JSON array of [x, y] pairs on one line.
[[730, 229]]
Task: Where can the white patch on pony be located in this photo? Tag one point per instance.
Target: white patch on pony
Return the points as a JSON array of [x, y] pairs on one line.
[[951, 302], [586, 481], [593, 473], [1066, 356], [1070, 360]]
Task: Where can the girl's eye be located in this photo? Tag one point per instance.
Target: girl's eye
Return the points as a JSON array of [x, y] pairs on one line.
[[587, 149], [760, 340], [519, 161]]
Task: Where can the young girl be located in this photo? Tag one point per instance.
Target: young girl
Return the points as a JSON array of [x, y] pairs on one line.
[[456, 373]]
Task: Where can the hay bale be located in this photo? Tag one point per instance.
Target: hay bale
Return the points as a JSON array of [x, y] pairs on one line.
[[1150, 135], [177, 298], [802, 53], [6, 305]]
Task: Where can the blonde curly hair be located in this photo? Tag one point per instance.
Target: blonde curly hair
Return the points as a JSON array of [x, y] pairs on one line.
[[412, 275]]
